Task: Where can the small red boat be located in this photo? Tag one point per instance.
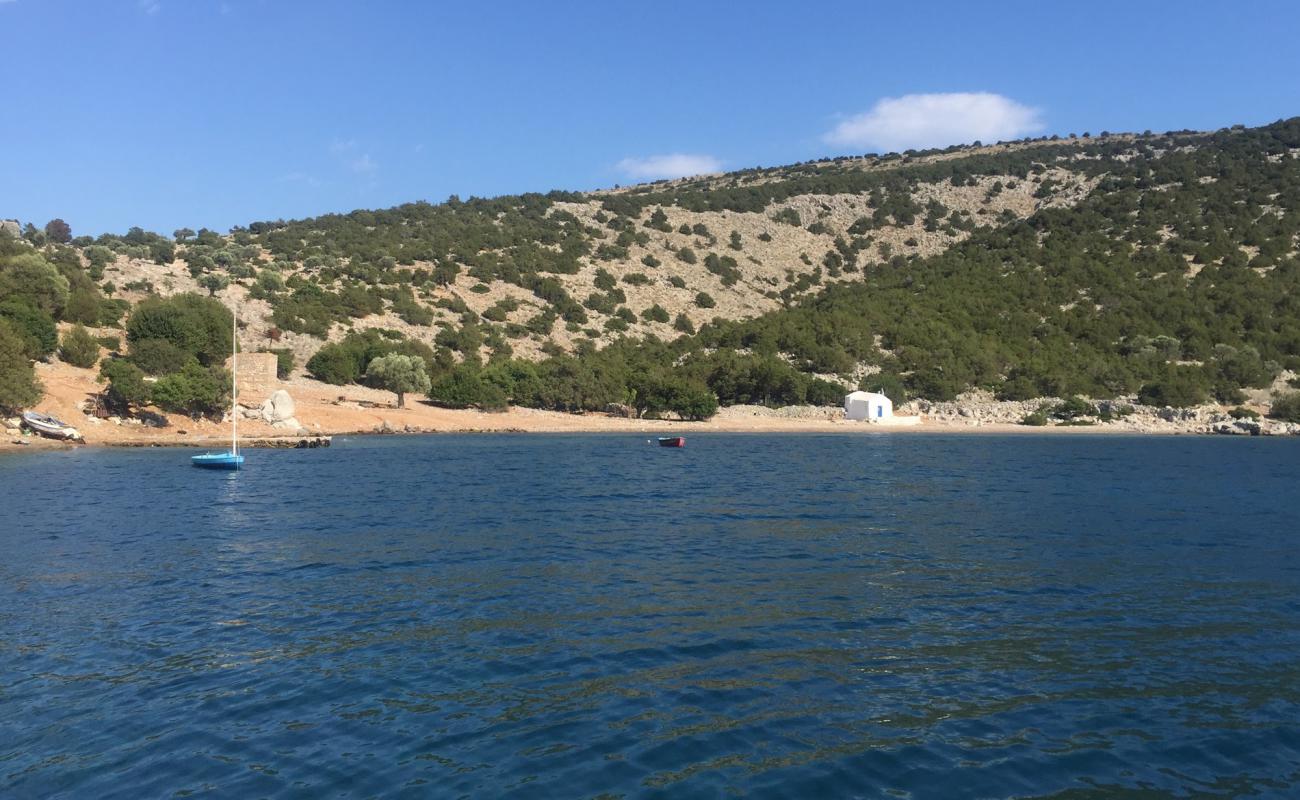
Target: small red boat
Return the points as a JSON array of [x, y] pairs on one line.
[[672, 441]]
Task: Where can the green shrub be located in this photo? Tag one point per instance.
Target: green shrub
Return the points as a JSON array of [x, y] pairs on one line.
[[464, 386], [1037, 418], [724, 267], [79, 348], [334, 363], [99, 257], [655, 313], [1179, 387], [126, 384], [636, 279], [158, 356], [29, 279], [1286, 407], [84, 304], [604, 279], [821, 392], [196, 390], [198, 326], [411, 311], [19, 387], [704, 300], [888, 384], [658, 221], [1072, 408], [789, 216], [39, 333]]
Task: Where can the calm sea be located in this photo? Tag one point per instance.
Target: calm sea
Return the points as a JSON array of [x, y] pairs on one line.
[[592, 616]]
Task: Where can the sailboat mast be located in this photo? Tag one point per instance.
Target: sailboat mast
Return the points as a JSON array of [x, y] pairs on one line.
[[234, 376]]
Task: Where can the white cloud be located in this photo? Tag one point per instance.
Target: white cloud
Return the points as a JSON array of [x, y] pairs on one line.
[[673, 165], [921, 121], [150, 6]]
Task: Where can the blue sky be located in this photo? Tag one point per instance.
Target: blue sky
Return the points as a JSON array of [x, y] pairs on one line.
[[171, 113]]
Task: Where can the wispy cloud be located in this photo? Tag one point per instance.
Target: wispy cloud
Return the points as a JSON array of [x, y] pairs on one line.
[[7, 2], [350, 155], [672, 165], [363, 164], [299, 177], [149, 6], [920, 121]]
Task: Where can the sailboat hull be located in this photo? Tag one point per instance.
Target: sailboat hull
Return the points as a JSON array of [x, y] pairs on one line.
[[218, 461]]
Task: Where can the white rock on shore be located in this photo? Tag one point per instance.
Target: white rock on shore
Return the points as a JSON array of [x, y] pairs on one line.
[[278, 412]]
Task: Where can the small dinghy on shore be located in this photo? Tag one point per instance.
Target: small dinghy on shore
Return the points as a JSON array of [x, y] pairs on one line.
[[49, 426]]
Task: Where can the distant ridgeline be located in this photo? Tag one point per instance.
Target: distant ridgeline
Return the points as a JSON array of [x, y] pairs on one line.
[[1159, 265]]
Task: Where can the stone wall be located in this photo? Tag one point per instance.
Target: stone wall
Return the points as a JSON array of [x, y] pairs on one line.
[[256, 378]]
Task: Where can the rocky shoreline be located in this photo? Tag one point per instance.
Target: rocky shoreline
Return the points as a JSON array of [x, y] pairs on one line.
[[1125, 415], [317, 412]]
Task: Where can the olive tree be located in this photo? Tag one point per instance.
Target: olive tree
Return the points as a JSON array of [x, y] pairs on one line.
[[399, 374], [213, 283]]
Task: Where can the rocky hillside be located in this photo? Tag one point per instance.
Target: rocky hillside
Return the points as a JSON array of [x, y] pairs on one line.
[[1158, 265], [534, 273]]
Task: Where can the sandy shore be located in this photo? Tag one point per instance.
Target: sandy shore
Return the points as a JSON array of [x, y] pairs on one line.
[[324, 410]]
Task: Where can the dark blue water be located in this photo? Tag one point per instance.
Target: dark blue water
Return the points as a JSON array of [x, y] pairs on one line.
[[581, 616]]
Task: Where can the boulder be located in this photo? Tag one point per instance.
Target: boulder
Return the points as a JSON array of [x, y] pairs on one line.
[[1241, 427], [620, 410], [279, 407]]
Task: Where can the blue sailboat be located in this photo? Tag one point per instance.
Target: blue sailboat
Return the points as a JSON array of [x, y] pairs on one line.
[[231, 459]]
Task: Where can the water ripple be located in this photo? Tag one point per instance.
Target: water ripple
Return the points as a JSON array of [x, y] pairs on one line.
[[537, 616]]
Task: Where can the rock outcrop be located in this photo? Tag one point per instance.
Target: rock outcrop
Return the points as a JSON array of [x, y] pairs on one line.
[[278, 412]]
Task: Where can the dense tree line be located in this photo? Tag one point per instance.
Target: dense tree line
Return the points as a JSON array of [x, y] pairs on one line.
[[43, 282]]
